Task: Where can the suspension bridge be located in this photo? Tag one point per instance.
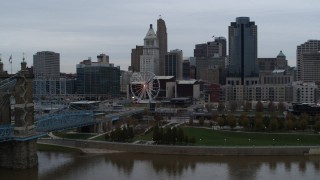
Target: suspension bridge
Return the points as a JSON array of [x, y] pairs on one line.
[[20, 126]]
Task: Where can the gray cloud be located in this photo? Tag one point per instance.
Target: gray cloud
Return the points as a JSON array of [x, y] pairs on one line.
[[78, 29]]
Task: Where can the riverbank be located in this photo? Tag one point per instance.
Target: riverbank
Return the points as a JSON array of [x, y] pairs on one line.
[[110, 147], [49, 146]]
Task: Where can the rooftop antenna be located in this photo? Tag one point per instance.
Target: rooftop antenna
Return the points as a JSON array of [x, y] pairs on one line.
[[23, 56], [160, 17]]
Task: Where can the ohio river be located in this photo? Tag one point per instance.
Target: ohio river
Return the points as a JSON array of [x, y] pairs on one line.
[[66, 166]]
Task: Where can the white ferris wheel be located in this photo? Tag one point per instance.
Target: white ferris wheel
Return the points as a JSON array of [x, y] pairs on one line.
[[144, 86]]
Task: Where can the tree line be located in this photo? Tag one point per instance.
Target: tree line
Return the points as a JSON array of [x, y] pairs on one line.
[[270, 122], [171, 136], [123, 134]]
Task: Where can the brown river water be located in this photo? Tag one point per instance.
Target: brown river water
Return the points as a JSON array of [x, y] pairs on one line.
[[66, 166]]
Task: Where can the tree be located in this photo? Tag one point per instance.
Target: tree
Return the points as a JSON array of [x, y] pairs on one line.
[[214, 116], [156, 134], [201, 121], [290, 116], [303, 124], [130, 133], [266, 121], [221, 107], [233, 106], [220, 121], [232, 121], [274, 124], [281, 106], [289, 121], [244, 121], [174, 135], [247, 106], [303, 121], [316, 126], [259, 106], [180, 135], [288, 124], [271, 107], [258, 123]]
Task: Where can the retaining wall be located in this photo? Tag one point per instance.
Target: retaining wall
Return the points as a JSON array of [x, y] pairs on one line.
[[187, 150]]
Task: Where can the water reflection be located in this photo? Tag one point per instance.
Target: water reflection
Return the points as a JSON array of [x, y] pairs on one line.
[[122, 164], [242, 169], [172, 167], [141, 166]]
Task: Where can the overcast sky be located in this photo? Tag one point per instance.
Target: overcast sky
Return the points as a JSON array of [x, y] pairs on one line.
[[78, 29]]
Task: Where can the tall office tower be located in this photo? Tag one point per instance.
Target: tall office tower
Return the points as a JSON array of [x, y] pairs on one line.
[[163, 43], [149, 60], [46, 69], [46, 64], [173, 64], [211, 49], [102, 58], [186, 69], [310, 67], [243, 51], [135, 58], [311, 46]]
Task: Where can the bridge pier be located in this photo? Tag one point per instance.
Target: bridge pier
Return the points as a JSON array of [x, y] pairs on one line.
[[19, 150], [18, 154]]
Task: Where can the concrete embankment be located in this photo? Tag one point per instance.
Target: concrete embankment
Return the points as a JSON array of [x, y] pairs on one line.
[[184, 150]]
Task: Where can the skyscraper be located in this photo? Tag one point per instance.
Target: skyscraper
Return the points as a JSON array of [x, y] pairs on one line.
[[46, 64], [46, 68], [163, 43], [149, 60], [173, 64], [311, 46], [135, 58], [243, 50], [310, 67]]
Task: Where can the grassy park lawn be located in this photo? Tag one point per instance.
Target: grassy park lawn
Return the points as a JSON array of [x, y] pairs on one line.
[[100, 138], [208, 137], [73, 135]]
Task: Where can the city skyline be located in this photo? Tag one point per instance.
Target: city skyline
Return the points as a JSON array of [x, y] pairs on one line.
[[80, 29]]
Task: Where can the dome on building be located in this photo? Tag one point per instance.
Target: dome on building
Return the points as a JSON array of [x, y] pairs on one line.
[[281, 54], [151, 34]]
